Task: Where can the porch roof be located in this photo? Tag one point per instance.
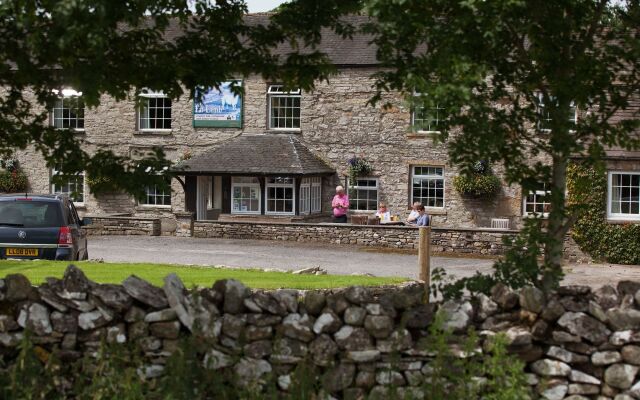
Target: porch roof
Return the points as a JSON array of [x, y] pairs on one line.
[[257, 154]]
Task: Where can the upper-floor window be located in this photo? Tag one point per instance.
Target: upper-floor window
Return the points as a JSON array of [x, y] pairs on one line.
[[363, 194], [544, 116], [427, 185], [624, 195], [155, 112], [284, 108], [537, 202], [71, 185], [426, 119], [68, 110]]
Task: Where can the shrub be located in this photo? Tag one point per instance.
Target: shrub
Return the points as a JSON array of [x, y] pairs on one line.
[[13, 181], [615, 243]]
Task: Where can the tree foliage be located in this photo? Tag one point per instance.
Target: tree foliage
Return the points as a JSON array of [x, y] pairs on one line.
[[508, 73], [119, 48]]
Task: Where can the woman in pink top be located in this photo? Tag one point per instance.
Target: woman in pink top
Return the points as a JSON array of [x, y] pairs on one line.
[[340, 205]]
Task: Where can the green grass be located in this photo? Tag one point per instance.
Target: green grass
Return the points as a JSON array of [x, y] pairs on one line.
[[37, 271]]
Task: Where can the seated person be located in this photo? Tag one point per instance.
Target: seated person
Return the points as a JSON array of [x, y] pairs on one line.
[[413, 215], [383, 213], [423, 218]]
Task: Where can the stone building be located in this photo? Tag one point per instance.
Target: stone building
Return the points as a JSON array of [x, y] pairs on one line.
[[278, 154]]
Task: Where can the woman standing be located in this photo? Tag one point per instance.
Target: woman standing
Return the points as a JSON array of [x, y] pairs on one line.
[[340, 205]]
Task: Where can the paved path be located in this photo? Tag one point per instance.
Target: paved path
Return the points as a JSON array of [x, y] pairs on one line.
[[291, 256]]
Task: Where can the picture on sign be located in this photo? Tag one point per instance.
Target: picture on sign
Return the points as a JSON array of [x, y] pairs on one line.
[[218, 107]]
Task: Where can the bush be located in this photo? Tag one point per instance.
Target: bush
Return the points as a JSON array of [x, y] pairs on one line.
[[13, 181], [477, 185], [615, 243]]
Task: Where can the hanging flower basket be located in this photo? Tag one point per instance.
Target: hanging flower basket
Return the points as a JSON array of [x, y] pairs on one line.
[[358, 166], [12, 179], [481, 183]]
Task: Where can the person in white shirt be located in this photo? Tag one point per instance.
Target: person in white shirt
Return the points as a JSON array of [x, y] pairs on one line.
[[383, 213], [413, 215]]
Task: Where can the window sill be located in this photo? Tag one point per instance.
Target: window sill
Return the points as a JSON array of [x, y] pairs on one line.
[[421, 134], [623, 220], [80, 206], [74, 130], [292, 130], [154, 132], [531, 216], [435, 211], [147, 207]]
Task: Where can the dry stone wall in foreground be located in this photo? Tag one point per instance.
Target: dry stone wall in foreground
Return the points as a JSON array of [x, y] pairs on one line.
[[577, 343]]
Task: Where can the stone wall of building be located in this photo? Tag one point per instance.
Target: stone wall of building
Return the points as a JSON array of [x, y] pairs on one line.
[[576, 343], [336, 124]]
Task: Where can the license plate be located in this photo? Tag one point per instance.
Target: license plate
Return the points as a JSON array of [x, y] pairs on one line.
[[22, 252]]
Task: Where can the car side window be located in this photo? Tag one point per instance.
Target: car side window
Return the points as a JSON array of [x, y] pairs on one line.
[[71, 218], [75, 213]]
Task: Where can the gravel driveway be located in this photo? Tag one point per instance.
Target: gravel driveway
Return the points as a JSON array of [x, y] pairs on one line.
[[291, 256]]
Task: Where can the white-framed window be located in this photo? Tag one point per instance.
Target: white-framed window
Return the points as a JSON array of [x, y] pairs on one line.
[[305, 196], [426, 119], [537, 202], [427, 185], [544, 117], [284, 108], [310, 195], [245, 195], [156, 196], [68, 110], [280, 195], [155, 112], [623, 201], [363, 194], [71, 185], [316, 194]]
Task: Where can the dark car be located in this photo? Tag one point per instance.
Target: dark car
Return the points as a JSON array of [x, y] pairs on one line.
[[41, 226]]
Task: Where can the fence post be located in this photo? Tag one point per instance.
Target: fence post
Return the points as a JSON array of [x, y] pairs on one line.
[[424, 257]]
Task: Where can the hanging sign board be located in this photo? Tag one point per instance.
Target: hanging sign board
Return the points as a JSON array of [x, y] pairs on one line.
[[218, 107]]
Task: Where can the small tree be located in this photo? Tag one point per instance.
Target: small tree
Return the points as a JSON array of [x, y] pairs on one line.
[[512, 75]]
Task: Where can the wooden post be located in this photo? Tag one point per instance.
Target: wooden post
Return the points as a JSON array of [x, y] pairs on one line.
[[424, 257]]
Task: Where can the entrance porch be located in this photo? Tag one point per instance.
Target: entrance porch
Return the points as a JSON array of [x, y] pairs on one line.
[[256, 177]]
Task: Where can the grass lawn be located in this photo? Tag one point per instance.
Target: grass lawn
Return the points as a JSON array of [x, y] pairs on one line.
[[37, 271]]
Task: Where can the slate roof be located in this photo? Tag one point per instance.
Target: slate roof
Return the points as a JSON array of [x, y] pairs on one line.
[[258, 154], [355, 51]]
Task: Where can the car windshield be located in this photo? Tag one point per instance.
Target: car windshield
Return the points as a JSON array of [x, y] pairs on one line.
[[30, 214]]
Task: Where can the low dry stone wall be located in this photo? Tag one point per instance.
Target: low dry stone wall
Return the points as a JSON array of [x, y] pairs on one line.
[[119, 225], [577, 343], [467, 241]]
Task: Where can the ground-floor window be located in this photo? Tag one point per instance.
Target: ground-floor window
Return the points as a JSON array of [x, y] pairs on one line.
[[310, 195], [280, 195], [316, 194], [305, 196], [537, 202], [427, 185], [624, 195], [155, 195], [71, 185], [245, 195], [363, 194]]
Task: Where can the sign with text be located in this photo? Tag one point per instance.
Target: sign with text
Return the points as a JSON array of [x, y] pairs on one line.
[[218, 107]]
